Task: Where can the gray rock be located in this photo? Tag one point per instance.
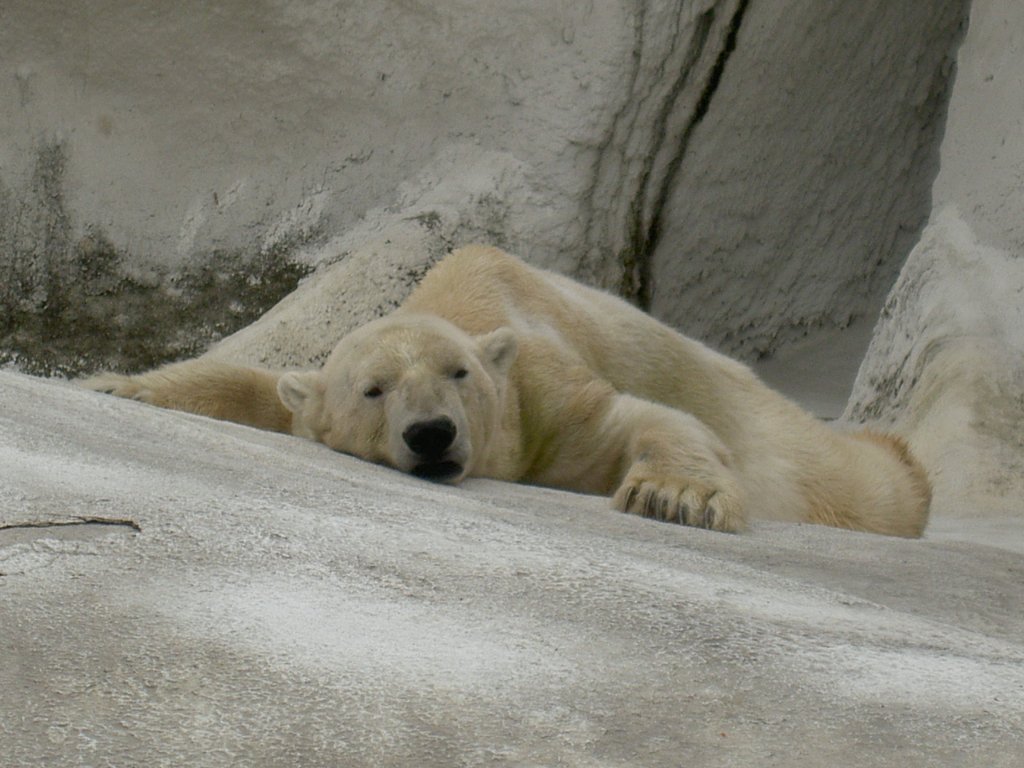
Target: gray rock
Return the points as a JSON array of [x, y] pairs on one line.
[[946, 363], [806, 182], [177, 591]]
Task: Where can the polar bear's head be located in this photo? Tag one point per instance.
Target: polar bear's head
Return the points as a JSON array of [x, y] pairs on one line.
[[411, 391]]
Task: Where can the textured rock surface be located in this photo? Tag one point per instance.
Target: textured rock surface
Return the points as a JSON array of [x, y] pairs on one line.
[[804, 186], [946, 364], [226, 597], [632, 143], [371, 280], [280, 604]]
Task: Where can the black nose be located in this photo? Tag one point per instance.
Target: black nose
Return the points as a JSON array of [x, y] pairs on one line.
[[430, 439]]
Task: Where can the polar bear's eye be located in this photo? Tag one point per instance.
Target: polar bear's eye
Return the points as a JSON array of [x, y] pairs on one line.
[[373, 392], [461, 373]]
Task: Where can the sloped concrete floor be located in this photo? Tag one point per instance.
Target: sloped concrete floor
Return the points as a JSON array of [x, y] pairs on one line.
[[280, 604]]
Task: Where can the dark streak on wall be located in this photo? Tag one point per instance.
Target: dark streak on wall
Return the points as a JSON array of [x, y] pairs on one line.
[[69, 304]]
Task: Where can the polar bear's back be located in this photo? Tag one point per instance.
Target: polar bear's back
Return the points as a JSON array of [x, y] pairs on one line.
[[480, 288]]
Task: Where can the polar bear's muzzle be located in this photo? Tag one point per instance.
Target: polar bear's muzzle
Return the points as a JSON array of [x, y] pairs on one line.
[[431, 443]]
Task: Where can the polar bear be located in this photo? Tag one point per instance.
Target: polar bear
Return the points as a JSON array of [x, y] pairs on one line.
[[494, 368]]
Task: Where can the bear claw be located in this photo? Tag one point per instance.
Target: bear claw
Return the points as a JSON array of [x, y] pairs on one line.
[[712, 509]]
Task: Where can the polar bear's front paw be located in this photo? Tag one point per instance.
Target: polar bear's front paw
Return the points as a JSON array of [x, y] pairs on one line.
[[677, 500], [117, 385]]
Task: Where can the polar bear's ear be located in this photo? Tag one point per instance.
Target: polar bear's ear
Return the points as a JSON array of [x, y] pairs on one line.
[[498, 348], [300, 391]]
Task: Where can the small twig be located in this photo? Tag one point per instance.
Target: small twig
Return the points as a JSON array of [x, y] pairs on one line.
[[75, 520]]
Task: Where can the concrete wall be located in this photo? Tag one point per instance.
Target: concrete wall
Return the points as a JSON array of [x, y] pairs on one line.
[[805, 185], [167, 171]]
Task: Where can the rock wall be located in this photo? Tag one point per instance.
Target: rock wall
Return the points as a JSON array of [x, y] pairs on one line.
[[946, 364], [748, 170], [806, 183]]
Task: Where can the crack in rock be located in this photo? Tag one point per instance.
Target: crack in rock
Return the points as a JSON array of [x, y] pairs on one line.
[[21, 557], [74, 520], [641, 280], [679, 56]]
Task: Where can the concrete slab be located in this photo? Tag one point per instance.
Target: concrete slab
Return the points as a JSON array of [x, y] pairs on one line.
[[273, 603]]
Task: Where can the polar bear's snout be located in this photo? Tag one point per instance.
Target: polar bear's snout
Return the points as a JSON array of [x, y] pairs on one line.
[[430, 439], [435, 450]]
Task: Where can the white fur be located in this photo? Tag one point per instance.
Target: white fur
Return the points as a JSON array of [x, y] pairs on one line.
[[548, 381]]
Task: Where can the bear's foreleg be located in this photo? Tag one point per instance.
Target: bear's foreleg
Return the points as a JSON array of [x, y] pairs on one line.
[[205, 387], [676, 468]]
